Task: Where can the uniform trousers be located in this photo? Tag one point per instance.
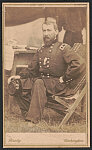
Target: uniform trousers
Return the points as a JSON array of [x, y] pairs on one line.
[[32, 101], [38, 101]]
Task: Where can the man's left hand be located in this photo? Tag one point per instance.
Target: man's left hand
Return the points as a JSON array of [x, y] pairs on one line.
[[61, 79]]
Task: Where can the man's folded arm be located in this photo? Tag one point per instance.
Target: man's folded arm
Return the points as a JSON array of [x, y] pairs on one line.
[[76, 65]]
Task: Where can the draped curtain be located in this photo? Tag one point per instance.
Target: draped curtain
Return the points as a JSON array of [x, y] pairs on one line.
[[72, 18]]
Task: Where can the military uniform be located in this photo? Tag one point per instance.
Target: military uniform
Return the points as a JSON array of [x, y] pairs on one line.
[[57, 61], [48, 65]]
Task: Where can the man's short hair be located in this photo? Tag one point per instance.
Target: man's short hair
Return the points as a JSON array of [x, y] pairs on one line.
[[50, 20]]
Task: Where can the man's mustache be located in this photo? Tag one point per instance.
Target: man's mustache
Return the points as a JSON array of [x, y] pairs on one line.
[[46, 37]]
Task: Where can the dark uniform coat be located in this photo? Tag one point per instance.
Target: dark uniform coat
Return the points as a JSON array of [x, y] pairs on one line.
[[58, 60]]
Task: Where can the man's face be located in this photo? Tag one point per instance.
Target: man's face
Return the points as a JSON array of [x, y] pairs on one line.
[[49, 33]]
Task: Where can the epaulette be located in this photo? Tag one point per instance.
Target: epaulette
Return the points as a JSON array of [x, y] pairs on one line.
[[63, 46]]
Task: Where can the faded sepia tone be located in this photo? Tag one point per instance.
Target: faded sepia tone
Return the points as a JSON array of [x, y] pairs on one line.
[[65, 123]]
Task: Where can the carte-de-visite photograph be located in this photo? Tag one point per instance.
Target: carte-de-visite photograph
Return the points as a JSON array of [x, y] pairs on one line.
[[46, 75]]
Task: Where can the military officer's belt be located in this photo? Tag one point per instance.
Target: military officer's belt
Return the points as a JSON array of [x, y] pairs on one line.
[[48, 76], [44, 75]]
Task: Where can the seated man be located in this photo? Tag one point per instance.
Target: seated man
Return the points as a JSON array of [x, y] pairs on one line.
[[55, 70]]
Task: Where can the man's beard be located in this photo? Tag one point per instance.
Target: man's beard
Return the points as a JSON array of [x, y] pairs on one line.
[[48, 41]]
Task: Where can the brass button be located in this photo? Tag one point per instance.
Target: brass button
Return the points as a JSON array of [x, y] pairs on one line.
[[40, 62], [50, 50], [47, 66], [40, 66], [48, 75], [51, 46], [40, 58]]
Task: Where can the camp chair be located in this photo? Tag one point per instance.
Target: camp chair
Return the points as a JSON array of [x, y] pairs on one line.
[[67, 106]]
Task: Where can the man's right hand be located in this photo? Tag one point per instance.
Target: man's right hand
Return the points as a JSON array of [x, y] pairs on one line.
[[61, 80], [13, 77]]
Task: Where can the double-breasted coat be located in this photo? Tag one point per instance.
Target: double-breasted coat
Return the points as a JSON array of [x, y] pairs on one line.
[[55, 61]]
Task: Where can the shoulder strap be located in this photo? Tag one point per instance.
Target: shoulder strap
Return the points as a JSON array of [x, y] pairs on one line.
[[64, 46]]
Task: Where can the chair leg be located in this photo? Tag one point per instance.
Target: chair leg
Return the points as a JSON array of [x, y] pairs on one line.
[[73, 107], [82, 103]]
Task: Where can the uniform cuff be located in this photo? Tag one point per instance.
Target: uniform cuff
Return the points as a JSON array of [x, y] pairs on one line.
[[66, 80]]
